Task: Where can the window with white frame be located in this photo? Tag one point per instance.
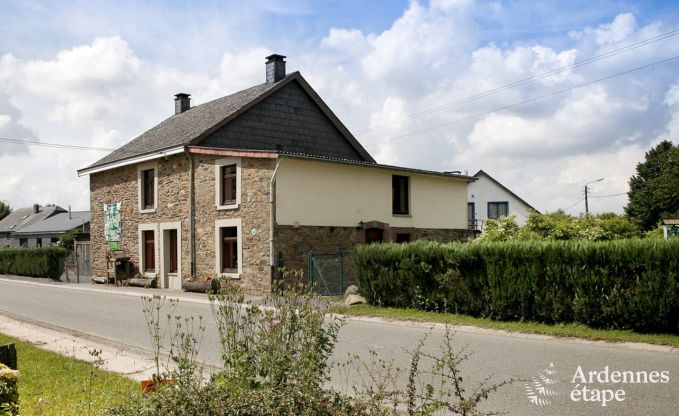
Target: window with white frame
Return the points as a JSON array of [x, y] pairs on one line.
[[227, 183], [228, 247], [148, 187]]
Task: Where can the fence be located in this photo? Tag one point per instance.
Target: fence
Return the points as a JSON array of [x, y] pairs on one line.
[[326, 273]]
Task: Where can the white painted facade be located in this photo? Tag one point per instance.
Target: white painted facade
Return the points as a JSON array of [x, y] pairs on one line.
[[320, 193], [487, 191]]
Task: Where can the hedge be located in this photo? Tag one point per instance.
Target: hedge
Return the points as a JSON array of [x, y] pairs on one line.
[[37, 262], [624, 284]]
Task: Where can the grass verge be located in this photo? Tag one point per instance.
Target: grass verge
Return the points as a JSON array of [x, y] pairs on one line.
[[558, 330], [52, 384]]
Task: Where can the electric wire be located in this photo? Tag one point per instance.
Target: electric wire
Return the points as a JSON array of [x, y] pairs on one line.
[[525, 81], [530, 100]]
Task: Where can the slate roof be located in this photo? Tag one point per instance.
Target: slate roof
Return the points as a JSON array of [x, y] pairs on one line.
[[181, 129], [57, 223], [24, 217], [376, 165], [193, 125]]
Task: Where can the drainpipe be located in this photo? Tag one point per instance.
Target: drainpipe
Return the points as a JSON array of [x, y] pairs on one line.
[[272, 188], [192, 216]]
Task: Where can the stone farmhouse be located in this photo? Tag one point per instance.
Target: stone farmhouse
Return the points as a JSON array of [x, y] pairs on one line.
[[238, 186]]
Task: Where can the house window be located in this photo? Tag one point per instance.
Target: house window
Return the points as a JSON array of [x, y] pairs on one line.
[[228, 188], [374, 235], [471, 216], [228, 247], [23, 242], [229, 242], [402, 238], [498, 209], [400, 197], [227, 183], [149, 247], [147, 181], [54, 240], [148, 197]]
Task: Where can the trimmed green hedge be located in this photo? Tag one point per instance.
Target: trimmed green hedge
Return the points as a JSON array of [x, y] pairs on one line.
[[36, 262], [626, 284]]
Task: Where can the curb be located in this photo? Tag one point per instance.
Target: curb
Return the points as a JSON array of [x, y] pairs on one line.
[[126, 292]]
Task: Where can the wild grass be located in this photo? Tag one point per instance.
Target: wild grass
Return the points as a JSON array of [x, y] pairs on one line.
[[53, 384]]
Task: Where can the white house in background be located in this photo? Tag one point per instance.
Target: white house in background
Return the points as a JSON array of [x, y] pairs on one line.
[[489, 199]]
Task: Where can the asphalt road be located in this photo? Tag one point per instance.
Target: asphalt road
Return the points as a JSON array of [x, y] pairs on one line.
[[118, 318]]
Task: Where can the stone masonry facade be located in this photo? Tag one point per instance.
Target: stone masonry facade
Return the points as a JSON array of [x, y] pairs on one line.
[[120, 185]]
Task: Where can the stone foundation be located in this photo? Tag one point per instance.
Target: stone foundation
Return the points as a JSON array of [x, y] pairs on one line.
[[293, 244]]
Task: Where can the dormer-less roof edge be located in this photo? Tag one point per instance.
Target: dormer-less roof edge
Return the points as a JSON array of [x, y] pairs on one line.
[[506, 189], [376, 166], [156, 154]]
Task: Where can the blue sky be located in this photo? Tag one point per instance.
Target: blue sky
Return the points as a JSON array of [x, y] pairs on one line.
[[95, 73]]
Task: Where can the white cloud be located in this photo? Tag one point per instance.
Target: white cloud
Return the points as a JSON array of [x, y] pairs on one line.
[[105, 90]]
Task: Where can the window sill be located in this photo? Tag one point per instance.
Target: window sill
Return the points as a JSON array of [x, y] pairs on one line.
[[150, 275], [147, 211], [226, 207], [401, 215]]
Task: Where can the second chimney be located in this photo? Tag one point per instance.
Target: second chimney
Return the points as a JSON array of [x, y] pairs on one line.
[[182, 102], [36, 208], [275, 68]]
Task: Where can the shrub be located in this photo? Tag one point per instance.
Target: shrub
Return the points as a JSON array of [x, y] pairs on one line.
[[276, 361], [627, 284], [9, 394], [36, 262]]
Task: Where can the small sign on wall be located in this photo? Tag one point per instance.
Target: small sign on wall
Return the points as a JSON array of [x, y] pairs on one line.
[[112, 222]]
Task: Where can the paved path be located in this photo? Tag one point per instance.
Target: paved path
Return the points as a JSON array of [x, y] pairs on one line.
[[114, 316]]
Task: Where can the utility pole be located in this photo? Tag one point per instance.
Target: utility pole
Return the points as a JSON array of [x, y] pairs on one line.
[[586, 192]]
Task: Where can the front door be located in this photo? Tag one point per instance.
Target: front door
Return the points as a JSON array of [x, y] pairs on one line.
[[171, 273]]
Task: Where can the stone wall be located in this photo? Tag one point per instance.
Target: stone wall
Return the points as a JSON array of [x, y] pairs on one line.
[[293, 244], [120, 185], [254, 212]]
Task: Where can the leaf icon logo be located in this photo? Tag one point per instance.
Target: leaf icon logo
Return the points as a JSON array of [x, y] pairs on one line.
[[537, 390]]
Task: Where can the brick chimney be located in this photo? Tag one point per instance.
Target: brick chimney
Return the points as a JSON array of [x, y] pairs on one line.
[[36, 208], [182, 102], [275, 68]]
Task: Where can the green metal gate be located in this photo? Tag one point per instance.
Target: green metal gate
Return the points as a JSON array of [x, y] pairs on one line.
[[325, 273]]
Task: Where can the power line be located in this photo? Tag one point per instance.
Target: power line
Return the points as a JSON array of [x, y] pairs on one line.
[[525, 81], [530, 100], [576, 203], [607, 196], [55, 145]]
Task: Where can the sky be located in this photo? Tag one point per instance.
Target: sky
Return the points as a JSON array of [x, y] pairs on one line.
[[543, 96]]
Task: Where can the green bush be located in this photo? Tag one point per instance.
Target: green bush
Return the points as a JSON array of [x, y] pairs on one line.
[[9, 394], [36, 262], [626, 284]]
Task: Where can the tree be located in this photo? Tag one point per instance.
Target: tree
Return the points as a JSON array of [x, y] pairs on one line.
[[654, 190], [4, 209]]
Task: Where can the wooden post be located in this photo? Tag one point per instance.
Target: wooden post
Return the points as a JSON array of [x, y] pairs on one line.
[[8, 355]]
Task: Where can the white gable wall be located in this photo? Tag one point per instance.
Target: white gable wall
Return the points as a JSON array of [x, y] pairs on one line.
[[484, 190]]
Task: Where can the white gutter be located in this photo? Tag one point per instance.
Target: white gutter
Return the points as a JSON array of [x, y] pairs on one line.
[[272, 209], [133, 160]]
